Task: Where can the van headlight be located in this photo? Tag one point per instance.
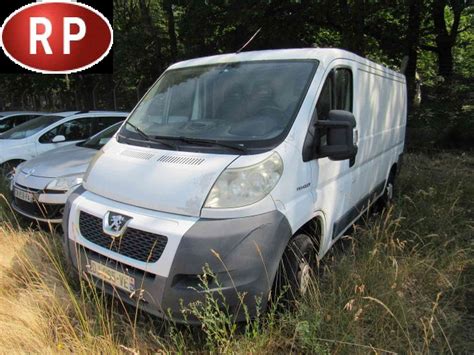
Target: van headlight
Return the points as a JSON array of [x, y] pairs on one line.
[[245, 186], [65, 183]]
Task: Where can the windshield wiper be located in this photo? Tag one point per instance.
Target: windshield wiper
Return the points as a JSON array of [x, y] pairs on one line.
[[212, 142], [150, 138], [196, 141]]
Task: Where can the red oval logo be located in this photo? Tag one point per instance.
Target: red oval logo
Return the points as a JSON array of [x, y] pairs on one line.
[[56, 37]]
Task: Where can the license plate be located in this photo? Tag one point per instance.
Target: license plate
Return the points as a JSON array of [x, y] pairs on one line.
[[24, 195], [111, 276]]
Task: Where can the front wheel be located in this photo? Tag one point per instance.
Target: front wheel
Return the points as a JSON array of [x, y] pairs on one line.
[[296, 269]]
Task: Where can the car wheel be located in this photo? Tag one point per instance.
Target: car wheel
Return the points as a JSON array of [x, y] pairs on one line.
[[387, 198], [296, 270]]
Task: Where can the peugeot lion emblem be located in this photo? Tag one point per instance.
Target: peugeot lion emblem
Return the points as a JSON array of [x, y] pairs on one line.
[[28, 172], [115, 224]]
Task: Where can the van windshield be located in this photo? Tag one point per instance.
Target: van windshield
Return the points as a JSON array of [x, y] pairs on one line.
[[31, 127], [249, 103]]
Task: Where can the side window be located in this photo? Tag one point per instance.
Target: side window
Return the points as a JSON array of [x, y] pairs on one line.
[[105, 122], [75, 130], [324, 104], [336, 93], [343, 89]]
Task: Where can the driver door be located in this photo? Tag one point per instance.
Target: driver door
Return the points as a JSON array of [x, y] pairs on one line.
[[333, 179]]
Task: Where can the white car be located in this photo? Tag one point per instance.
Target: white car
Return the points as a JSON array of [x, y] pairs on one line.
[[253, 164], [41, 185], [11, 119], [50, 132]]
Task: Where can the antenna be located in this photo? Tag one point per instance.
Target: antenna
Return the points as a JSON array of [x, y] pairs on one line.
[[249, 41]]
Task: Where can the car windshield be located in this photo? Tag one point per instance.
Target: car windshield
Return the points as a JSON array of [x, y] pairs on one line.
[[102, 138], [31, 127], [250, 103]]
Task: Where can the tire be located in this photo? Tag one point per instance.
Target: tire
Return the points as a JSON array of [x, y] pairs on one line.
[[296, 269]]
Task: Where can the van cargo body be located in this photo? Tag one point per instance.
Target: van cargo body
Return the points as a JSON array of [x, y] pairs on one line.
[[231, 162]]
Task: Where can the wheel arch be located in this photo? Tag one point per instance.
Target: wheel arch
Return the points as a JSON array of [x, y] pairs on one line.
[[392, 172], [12, 161], [314, 228]]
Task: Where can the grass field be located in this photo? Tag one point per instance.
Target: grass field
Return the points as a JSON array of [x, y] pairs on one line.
[[402, 282]]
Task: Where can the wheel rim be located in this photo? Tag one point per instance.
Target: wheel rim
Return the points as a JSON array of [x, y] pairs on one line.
[[304, 277], [296, 270]]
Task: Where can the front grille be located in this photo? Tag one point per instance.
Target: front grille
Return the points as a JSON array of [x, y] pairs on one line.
[[40, 210], [135, 244], [26, 188]]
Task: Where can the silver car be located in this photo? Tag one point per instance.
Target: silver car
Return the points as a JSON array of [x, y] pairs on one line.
[[42, 185]]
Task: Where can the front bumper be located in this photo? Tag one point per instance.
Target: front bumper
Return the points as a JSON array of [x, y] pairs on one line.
[[46, 207], [242, 253]]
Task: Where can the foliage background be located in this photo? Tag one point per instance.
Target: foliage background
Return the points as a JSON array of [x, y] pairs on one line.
[[436, 35]]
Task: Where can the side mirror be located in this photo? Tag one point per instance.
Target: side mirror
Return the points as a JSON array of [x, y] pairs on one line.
[[59, 139], [340, 136]]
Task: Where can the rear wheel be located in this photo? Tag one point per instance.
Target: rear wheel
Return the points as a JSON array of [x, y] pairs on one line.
[[387, 198], [296, 269]]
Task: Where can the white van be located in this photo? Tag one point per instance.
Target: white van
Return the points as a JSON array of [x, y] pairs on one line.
[[252, 163]]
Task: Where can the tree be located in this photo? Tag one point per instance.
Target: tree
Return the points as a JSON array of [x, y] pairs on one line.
[[353, 18], [412, 43], [445, 33], [168, 8]]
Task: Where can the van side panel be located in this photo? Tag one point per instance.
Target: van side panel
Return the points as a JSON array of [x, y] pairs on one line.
[[380, 111], [381, 122]]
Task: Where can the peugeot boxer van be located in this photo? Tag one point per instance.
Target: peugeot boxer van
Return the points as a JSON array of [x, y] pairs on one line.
[[253, 164]]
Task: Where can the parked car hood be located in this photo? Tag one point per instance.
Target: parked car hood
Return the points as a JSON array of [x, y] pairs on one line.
[[160, 180], [63, 161]]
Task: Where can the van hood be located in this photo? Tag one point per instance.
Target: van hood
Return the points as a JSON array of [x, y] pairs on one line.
[[160, 180], [59, 162]]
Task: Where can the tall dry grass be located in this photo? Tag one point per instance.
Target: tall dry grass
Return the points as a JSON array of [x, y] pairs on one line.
[[402, 283]]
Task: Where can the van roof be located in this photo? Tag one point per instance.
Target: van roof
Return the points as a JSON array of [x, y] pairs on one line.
[[323, 55]]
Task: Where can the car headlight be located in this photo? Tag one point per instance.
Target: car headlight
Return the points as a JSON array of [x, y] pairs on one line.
[[245, 186], [65, 183]]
